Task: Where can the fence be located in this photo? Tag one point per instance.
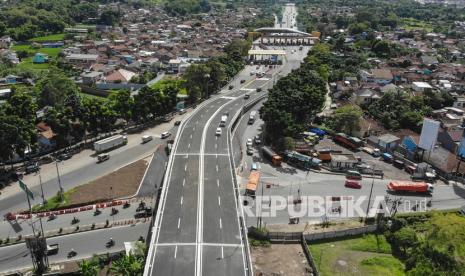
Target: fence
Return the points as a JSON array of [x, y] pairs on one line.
[[340, 233], [308, 255]]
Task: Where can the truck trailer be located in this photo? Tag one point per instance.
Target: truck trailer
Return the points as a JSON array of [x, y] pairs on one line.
[[252, 185], [410, 187], [271, 156], [110, 143]]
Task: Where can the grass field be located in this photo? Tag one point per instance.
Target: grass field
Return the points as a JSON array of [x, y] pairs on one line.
[[53, 37], [366, 255], [26, 63], [414, 24]]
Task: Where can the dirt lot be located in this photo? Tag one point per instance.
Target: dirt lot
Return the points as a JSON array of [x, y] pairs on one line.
[[280, 259], [120, 183], [390, 172]]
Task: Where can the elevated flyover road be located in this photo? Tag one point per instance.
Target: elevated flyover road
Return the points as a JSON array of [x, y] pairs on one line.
[[198, 228]]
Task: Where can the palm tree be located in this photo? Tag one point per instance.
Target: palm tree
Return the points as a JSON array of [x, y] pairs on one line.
[[89, 267], [128, 265]]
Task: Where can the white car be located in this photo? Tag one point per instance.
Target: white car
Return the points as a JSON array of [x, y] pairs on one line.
[[165, 134], [249, 142], [218, 132]]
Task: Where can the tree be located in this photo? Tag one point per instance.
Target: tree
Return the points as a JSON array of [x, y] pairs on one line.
[[404, 239], [89, 267], [347, 119], [122, 103], [382, 48], [197, 77], [16, 134], [55, 88], [128, 265], [22, 105]]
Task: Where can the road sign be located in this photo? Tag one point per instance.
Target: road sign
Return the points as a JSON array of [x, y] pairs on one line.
[[28, 192]]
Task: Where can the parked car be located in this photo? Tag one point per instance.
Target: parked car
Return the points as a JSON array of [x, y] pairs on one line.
[[254, 167], [103, 157], [32, 168], [218, 132], [182, 111], [165, 134], [249, 142], [246, 96], [166, 118], [64, 156], [259, 89], [242, 81], [353, 184], [177, 123], [257, 140], [249, 151]]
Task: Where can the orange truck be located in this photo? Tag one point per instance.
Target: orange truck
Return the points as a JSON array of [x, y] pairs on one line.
[[410, 187], [251, 188], [271, 156]]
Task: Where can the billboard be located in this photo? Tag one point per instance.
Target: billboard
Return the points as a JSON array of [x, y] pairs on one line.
[[429, 134], [461, 149]]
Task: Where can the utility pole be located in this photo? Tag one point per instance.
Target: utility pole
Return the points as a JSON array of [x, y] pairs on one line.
[[371, 191], [42, 189], [61, 194]]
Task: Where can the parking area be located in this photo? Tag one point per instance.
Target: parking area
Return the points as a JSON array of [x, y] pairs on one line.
[[390, 172]]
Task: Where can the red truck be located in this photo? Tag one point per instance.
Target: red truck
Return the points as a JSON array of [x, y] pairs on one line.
[[409, 186]]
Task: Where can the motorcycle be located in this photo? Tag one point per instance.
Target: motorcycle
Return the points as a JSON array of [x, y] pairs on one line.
[[75, 220], [114, 211], [52, 217], [72, 253], [126, 205], [110, 243]]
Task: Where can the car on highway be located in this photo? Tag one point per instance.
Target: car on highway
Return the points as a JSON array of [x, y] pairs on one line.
[[218, 131], [226, 113], [249, 142], [242, 81], [249, 151], [32, 167], [231, 87], [259, 89], [353, 184], [257, 140], [252, 73], [246, 96], [146, 138], [165, 134], [103, 157], [177, 123]]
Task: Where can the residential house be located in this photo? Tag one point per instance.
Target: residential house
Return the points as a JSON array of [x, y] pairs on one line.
[[429, 60], [450, 138], [386, 142], [420, 86], [45, 136], [459, 103], [173, 66], [91, 77], [379, 76], [40, 58], [81, 59], [365, 96], [120, 76]]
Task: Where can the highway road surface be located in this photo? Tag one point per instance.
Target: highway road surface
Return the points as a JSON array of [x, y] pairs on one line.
[[197, 229], [86, 244]]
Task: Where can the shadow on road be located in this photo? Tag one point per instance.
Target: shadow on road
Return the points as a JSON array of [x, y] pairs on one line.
[[459, 191]]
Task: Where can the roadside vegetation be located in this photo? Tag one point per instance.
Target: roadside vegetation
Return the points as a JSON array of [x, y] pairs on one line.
[[419, 244]]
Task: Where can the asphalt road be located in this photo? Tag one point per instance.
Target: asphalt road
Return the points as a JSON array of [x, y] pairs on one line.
[[119, 158], [198, 222], [288, 181], [86, 244]]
